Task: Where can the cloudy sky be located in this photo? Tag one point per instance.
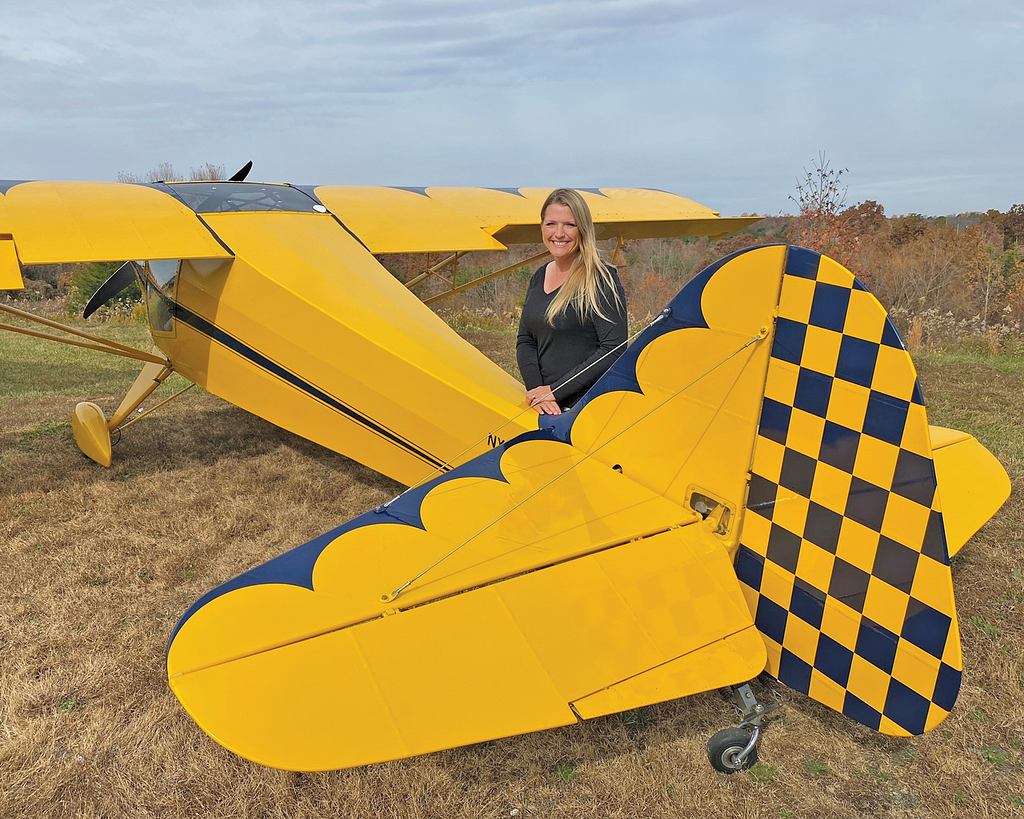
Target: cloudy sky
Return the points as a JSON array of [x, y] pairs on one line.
[[723, 102]]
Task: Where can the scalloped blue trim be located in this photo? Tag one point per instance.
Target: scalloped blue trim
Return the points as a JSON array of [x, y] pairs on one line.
[[7, 184], [684, 312], [295, 567]]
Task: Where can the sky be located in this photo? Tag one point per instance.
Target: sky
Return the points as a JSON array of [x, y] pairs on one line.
[[726, 103]]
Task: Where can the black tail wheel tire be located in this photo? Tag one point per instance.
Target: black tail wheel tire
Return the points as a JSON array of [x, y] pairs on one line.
[[725, 747]]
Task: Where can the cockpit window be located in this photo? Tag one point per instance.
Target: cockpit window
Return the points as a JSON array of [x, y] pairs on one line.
[[164, 273], [161, 320], [157, 276], [232, 197]]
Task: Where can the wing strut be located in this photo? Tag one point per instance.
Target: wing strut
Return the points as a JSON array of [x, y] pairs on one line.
[[480, 280], [103, 345]]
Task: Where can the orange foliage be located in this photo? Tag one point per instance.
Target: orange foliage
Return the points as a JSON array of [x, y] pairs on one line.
[[820, 226]]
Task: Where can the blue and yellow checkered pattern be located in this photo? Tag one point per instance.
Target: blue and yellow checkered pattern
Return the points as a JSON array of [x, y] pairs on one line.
[[842, 556]]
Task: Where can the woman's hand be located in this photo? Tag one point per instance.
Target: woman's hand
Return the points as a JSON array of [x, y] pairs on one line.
[[543, 400]]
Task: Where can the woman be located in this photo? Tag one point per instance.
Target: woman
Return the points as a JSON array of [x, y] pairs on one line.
[[575, 310]]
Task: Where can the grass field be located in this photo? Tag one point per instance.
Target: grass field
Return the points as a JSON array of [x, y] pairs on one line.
[[100, 563]]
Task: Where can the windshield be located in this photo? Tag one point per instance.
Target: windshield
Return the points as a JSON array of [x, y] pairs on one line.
[[232, 197]]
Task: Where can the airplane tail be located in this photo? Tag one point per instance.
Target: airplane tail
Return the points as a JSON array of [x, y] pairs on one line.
[[814, 437], [843, 555], [772, 396]]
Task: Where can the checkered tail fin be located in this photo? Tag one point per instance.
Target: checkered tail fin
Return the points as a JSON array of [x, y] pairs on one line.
[[843, 556]]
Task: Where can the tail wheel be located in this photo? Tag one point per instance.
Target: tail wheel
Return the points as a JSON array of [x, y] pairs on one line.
[[725, 750]]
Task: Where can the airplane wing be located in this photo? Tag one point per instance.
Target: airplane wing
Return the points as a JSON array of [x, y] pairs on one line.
[[566, 573], [419, 220], [54, 222]]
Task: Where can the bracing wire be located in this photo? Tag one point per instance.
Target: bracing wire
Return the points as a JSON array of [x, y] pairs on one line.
[[389, 597], [440, 469]]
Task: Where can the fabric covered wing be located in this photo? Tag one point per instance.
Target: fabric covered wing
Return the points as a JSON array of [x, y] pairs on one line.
[[432, 219], [55, 222]]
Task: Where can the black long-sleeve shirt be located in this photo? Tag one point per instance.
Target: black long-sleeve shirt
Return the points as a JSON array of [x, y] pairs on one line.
[[552, 355]]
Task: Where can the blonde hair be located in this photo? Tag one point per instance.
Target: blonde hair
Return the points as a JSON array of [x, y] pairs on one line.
[[589, 275]]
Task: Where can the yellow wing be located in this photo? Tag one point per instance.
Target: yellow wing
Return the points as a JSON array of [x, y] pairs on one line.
[[594, 596], [55, 222], [407, 220]]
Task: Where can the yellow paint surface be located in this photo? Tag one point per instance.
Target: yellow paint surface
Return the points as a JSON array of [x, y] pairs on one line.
[[10, 270], [502, 659], [102, 221], [972, 482]]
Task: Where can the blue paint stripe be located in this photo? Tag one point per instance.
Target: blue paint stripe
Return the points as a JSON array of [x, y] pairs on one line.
[[7, 184], [205, 327]]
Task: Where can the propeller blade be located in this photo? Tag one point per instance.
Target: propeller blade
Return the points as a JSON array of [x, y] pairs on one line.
[[242, 172], [121, 278]]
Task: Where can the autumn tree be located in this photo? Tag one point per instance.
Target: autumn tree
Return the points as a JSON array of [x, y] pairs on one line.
[[905, 229], [865, 219], [936, 267], [820, 198], [1013, 227]]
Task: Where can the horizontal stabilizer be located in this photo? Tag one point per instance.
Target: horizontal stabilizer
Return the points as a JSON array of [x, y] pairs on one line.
[[507, 658], [973, 484]]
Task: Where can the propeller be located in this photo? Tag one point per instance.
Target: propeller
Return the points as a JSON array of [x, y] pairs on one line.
[[242, 172], [121, 278]]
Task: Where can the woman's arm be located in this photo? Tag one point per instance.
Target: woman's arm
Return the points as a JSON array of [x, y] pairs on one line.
[[527, 351], [527, 356]]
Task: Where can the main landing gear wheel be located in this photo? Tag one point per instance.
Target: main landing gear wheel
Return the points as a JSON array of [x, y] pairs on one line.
[[728, 750]]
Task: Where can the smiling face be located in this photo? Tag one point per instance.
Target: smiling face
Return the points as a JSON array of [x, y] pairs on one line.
[[561, 236]]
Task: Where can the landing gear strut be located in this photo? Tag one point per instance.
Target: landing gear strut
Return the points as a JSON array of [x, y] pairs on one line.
[[735, 749]]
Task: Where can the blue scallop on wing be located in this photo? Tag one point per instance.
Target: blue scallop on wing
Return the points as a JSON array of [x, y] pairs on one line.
[[296, 566], [682, 313]]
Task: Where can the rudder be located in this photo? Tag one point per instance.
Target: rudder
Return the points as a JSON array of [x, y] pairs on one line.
[[843, 556]]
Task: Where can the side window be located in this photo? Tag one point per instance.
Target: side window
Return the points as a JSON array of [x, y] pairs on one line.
[[159, 278], [165, 273]]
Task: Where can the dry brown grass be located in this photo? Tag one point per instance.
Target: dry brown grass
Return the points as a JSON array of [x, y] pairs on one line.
[[100, 564]]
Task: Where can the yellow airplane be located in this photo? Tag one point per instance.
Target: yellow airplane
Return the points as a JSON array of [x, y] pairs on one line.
[[269, 296], [753, 486]]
